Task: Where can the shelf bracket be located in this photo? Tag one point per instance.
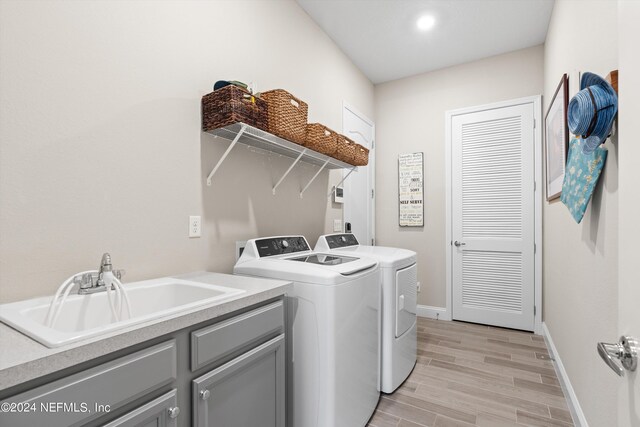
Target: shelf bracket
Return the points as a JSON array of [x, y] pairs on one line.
[[288, 170], [341, 181], [314, 177], [226, 153]]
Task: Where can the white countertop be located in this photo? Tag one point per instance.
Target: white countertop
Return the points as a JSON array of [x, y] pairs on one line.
[[23, 359]]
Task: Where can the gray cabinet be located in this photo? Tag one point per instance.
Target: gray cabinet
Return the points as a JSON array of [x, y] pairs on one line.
[[247, 391], [161, 412], [90, 394], [229, 370]]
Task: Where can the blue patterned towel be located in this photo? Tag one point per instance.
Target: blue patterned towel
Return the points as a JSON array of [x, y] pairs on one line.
[[581, 176]]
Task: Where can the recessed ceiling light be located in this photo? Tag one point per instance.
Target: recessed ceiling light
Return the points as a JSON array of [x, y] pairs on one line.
[[426, 22]]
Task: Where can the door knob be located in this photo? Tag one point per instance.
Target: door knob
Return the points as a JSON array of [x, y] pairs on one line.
[[626, 350], [458, 244]]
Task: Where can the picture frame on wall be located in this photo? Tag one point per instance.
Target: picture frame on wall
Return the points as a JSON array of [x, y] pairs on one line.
[[556, 139]]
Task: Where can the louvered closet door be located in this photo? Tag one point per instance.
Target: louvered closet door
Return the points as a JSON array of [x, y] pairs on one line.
[[493, 217]]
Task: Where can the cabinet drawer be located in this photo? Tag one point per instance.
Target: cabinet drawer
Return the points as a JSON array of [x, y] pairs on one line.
[[159, 412], [246, 330], [85, 396]]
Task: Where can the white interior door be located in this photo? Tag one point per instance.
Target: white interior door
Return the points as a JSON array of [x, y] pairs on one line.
[[493, 216], [359, 195]]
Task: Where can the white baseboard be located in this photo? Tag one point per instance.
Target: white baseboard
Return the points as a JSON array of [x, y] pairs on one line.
[[440, 313], [574, 406]]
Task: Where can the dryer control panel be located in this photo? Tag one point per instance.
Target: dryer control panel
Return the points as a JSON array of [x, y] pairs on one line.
[[341, 240], [281, 245]]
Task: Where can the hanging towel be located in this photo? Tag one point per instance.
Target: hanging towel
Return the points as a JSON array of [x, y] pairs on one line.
[[581, 176]]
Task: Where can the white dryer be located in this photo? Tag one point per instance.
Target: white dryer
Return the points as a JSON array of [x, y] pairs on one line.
[[399, 303], [333, 318]]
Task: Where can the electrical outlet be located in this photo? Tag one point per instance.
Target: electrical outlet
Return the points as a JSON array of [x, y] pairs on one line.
[[337, 225], [418, 286], [195, 226]]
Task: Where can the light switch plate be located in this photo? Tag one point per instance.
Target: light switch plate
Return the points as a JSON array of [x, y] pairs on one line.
[[195, 226], [337, 225]]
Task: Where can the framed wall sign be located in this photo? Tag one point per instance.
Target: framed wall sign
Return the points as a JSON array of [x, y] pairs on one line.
[[557, 139], [411, 190]]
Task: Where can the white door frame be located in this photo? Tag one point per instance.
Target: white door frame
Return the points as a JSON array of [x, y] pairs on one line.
[[372, 165], [537, 138]]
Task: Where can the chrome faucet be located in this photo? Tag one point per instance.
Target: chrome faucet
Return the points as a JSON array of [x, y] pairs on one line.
[[105, 266], [90, 283]]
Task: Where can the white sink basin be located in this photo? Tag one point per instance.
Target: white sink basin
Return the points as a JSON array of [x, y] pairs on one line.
[[85, 316]]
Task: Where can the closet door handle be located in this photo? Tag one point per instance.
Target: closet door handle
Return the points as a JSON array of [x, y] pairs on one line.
[[458, 244]]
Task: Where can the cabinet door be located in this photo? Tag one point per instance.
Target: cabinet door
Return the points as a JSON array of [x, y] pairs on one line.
[[247, 391], [161, 412]]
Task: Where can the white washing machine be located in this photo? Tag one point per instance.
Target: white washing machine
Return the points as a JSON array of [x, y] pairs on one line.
[[333, 322], [399, 303]]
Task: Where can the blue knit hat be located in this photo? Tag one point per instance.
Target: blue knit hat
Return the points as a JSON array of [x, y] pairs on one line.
[[592, 111]]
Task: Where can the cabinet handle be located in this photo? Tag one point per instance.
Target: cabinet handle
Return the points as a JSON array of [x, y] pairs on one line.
[[205, 394], [174, 412]]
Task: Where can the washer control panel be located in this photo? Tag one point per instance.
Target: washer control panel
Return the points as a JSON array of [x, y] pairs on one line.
[[281, 245], [341, 240]]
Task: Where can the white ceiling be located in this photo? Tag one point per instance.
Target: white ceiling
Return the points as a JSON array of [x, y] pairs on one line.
[[382, 39]]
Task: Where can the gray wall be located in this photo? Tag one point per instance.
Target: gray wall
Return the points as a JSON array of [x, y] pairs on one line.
[[101, 148], [410, 116]]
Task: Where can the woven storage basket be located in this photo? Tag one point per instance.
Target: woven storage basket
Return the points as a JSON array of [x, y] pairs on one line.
[[321, 139], [361, 157], [346, 151], [230, 105], [287, 115]]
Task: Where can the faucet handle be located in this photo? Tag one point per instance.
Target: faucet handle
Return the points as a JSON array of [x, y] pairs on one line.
[[85, 281], [77, 281], [119, 274]]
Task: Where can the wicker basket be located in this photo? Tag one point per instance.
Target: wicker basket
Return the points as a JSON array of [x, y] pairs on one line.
[[346, 151], [230, 105], [361, 157], [287, 115], [321, 139]]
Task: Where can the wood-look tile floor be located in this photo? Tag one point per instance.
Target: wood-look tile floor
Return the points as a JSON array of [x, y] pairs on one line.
[[475, 375]]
